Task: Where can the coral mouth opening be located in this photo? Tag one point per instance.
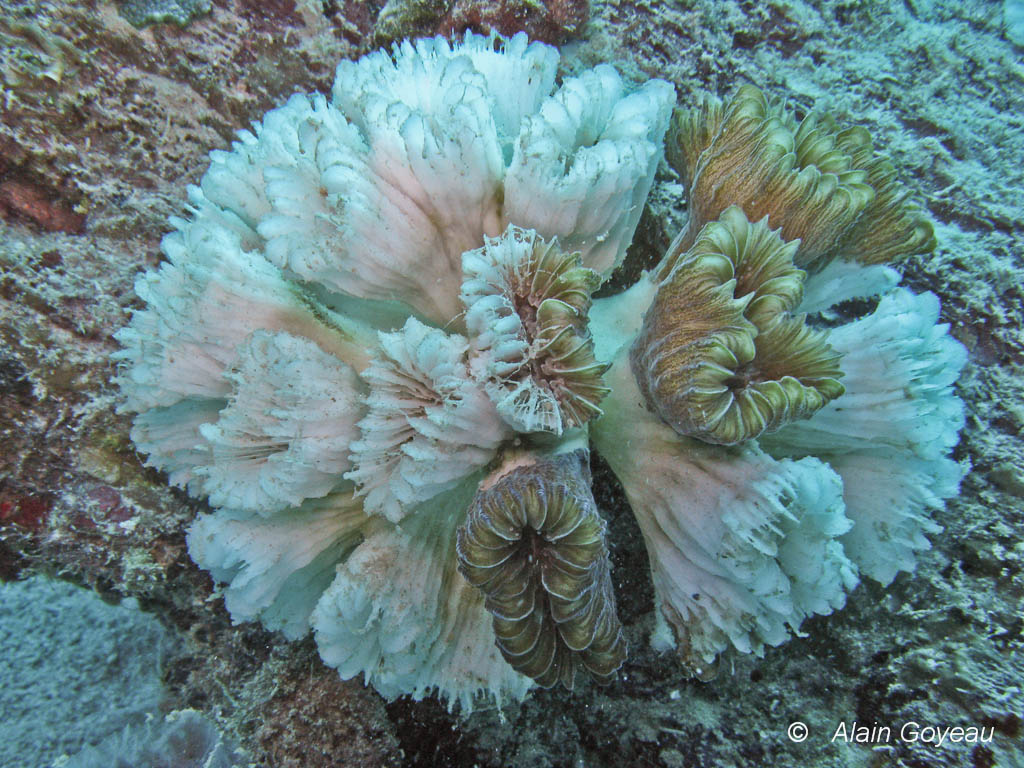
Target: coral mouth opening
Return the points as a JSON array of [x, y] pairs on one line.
[[743, 378]]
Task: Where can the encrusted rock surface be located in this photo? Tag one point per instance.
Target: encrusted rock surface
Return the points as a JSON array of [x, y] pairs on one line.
[[553, 21], [104, 124]]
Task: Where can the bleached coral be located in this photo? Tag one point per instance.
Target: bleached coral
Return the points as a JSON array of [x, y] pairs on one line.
[[428, 425], [375, 348], [584, 164], [399, 613], [890, 439], [284, 435], [742, 547], [277, 567], [318, 358]]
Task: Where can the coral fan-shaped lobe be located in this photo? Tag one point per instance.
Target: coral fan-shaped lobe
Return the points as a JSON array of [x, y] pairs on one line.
[[719, 357], [742, 547], [276, 567], [584, 163], [533, 542], [432, 170], [517, 75], [824, 185], [202, 306], [527, 304], [399, 613], [428, 424], [750, 153], [892, 227], [890, 435], [285, 433]]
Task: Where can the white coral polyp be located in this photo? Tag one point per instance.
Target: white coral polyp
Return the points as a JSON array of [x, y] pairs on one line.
[[743, 547], [277, 567], [434, 168], [583, 165], [342, 182], [428, 425], [842, 280], [399, 613], [888, 437], [170, 437], [284, 437], [202, 306]]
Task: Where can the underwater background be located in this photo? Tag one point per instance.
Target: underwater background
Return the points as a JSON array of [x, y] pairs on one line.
[[109, 110]]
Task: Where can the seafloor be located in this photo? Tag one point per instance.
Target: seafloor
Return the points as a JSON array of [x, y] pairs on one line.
[[105, 123]]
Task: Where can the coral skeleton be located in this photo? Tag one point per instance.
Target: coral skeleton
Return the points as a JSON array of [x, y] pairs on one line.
[[375, 349]]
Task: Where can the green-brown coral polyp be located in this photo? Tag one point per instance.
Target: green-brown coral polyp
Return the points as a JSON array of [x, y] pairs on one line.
[[891, 227], [552, 297], [533, 543], [821, 185], [719, 356], [541, 372]]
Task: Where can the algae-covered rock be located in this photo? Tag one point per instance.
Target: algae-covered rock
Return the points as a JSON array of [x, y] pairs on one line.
[[141, 13]]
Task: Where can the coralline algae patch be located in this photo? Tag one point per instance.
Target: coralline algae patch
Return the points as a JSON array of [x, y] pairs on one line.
[[374, 348]]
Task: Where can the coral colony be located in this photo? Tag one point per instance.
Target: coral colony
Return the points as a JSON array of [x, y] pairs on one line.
[[374, 348]]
